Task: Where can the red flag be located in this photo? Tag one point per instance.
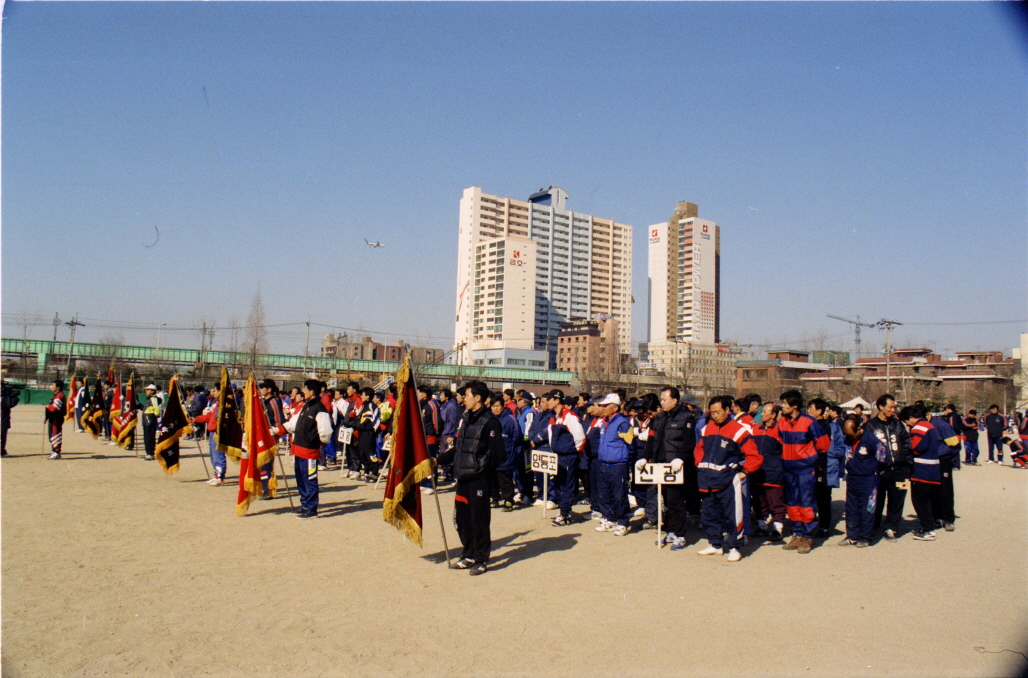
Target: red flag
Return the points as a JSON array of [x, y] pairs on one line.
[[410, 461], [125, 423], [110, 373], [72, 395], [259, 448]]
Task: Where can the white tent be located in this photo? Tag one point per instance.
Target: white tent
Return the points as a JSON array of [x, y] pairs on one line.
[[850, 404]]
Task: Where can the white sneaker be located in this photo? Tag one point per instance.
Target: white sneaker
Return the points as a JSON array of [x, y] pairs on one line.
[[427, 490], [550, 506], [621, 530], [734, 556], [605, 526], [517, 497], [595, 515], [639, 512], [711, 551], [537, 502]]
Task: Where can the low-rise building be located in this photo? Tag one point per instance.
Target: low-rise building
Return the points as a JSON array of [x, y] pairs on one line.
[[589, 346]]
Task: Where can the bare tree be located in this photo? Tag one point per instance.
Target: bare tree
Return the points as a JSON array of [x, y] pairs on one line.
[[255, 334], [107, 355]]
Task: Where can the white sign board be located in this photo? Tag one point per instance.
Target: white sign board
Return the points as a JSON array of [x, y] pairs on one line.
[[544, 462], [346, 435], [659, 474]]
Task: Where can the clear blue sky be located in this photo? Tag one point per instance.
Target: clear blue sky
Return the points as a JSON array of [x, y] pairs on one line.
[[861, 158]]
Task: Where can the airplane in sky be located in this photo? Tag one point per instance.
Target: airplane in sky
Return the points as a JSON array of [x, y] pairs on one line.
[[373, 244]]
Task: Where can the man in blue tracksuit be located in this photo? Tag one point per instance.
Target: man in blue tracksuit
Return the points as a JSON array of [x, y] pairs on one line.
[[949, 459], [613, 453], [864, 454], [567, 438], [512, 445], [830, 465], [523, 474], [539, 440], [995, 425]]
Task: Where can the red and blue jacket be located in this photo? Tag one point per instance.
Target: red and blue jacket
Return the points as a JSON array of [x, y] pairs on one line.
[[802, 440], [924, 443], [949, 443], [769, 444], [724, 451]]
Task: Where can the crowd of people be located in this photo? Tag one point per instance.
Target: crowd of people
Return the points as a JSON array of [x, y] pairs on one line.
[[751, 470]]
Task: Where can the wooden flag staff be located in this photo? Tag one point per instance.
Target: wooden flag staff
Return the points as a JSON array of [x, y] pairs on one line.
[[202, 458]]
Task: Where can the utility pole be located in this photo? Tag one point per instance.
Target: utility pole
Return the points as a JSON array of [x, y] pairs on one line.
[[888, 325], [306, 346], [57, 323], [73, 323], [157, 348]]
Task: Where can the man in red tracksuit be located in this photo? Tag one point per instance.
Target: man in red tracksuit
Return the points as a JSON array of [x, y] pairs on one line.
[[725, 456], [802, 440]]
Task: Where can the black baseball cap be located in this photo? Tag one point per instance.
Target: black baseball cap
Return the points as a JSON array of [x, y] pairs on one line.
[[555, 393]]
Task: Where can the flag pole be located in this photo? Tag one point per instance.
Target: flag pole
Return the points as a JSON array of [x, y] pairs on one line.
[[289, 493], [200, 450], [435, 490], [46, 435]]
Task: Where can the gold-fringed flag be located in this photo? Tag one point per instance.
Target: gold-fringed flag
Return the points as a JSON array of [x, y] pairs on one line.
[[259, 445], [410, 461], [125, 423], [116, 399], [229, 434], [92, 418], [174, 425], [73, 392]]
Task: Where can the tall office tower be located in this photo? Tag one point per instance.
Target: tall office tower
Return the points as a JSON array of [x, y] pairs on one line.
[[581, 267], [684, 279]]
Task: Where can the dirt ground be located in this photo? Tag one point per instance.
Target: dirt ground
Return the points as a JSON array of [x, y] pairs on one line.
[[111, 568]]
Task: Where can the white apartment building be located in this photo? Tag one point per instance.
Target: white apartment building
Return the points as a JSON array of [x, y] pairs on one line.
[[581, 266]]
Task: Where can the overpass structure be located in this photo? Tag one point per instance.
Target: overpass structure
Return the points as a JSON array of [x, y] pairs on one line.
[[47, 354]]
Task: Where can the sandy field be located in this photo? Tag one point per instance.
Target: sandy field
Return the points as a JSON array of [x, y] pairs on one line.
[[111, 568]]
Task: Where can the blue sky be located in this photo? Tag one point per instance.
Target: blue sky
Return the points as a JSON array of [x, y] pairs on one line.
[[861, 158]]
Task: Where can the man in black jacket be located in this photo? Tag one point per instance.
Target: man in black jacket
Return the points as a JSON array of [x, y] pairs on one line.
[[894, 480], [995, 425], [476, 453], [672, 439], [969, 426]]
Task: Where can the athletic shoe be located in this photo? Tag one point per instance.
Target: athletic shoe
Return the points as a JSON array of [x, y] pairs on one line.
[[508, 506], [561, 521], [734, 556], [585, 502], [550, 506], [848, 542], [3, 453], [494, 504], [794, 543], [517, 497], [939, 523], [621, 530], [54, 455], [213, 481], [678, 544], [538, 502], [605, 526], [711, 551], [427, 490], [477, 569], [649, 526], [525, 501], [863, 544], [639, 512], [924, 536], [322, 467], [949, 527], [666, 539], [463, 564], [148, 457], [891, 535], [806, 543], [307, 514], [595, 515], [774, 536]]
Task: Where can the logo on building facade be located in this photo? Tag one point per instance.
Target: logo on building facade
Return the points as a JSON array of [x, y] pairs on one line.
[[654, 236], [705, 234]]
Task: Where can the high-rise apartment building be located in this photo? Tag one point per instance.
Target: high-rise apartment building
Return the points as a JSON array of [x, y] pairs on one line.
[[684, 278], [568, 265]]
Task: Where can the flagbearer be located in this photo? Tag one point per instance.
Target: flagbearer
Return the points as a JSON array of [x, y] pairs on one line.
[[311, 428], [55, 412], [476, 453], [276, 422], [151, 415]]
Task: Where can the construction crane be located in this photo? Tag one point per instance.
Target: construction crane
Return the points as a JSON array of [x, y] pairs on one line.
[[857, 324]]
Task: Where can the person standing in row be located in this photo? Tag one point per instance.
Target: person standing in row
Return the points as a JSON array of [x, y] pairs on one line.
[[970, 428], [209, 417], [613, 455], [803, 440], [310, 428], [275, 413], [672, 440], [925, 478], [864, 454], [995, 425], [151, 417], [566, 438], [513, 440], [55, 414], [767, 482], [476, 453], [894, 480]]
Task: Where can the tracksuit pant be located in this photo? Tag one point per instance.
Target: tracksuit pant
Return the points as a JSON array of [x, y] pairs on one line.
[[922, 496], [218, 460], [891, 489], [150, 438], [505, 485], [56, 435], [692, 492], [800, 500], [549, 487], [674, 508], [770, 503], [583, 473], [471, 516], [78, 419], [723, 514], [307, 482], [942, 507], [523, 475], [613, 492], [565, 482], [970, 452], [433, 453], [267, 471], [594, 482], [997, 444], [861, 504]]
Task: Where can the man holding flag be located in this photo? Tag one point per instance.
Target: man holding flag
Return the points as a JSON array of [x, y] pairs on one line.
[[174, 425], [92, 418], [115, 400], [72, 397], [259, 448], [125, 422]]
